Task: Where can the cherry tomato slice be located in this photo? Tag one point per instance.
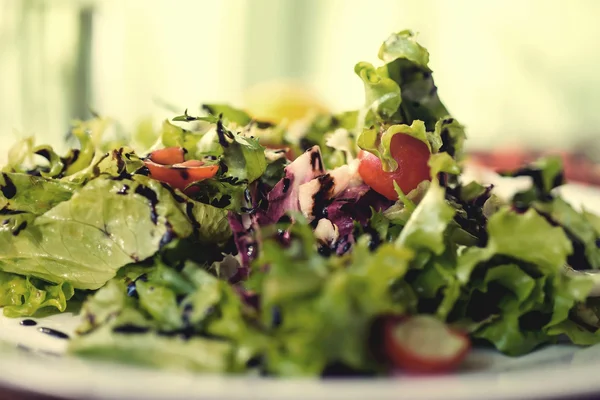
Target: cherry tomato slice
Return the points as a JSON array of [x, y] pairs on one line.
[[423, 344], [168, 156], [177, 172], [412, 156]]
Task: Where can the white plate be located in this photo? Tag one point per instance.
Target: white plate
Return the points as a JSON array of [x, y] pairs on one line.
[[33, 361]]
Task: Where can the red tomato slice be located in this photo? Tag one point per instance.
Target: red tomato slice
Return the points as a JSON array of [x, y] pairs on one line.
[[177, 172], [168, 156], [423, 344], [412, 156]]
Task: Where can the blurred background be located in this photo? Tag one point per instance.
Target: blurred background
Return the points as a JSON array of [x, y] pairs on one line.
[[516, 73]]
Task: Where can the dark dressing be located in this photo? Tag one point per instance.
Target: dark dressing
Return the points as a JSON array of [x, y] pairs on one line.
[[9, 190], [276, 318], [74, 156], [183, 172], [124, 190], [247, 196], [321, 197], [286, 184], [53, 332], [152, 198], [189, 211], [208, 109], [44, 153], [129, 328], [223, 202], [375, 240], [7, 211], [95, 168], [118, 155], [168, 236], [19, 228], [142, 171], [316, 161], [132, 289], [221, 133]]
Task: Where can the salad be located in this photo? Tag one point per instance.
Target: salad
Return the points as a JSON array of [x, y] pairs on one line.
[[338, 244]]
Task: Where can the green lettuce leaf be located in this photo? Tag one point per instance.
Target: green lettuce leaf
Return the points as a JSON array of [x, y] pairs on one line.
[[426, 227], [420, 99], [230, 114], [378, 141], [532, 313], [579, 226], [507, 336], [452, 136], [22, 193], [443, 162], [116, 223], [175, 136], [326, 305], [19, 155], [550, 243], [170, 315], [24, 157], [405, 46], [245, 158], [153, 350], [118, 163], [405, 74], [546, 174], [382, 94], [23, 297]]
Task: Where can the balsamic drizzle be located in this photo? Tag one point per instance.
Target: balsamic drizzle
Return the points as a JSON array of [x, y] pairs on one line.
[[53, 332]]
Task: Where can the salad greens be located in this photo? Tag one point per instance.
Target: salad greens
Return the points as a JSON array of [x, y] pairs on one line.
[[280, 259]]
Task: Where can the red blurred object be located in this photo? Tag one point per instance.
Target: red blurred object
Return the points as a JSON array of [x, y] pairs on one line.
[[424, 345], [578, 167]]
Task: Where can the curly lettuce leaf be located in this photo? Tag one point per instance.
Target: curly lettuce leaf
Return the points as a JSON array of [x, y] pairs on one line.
[[530, 311], [550, 243], [19, 154], [22, 157], [402, 90], [344, 294], [452, 135], [22, 193], [583, 235], [420, 100], [191, 319], [404, 45], [546, 174], [22, 296], [382, 94], [581, 227], [529, 302]]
